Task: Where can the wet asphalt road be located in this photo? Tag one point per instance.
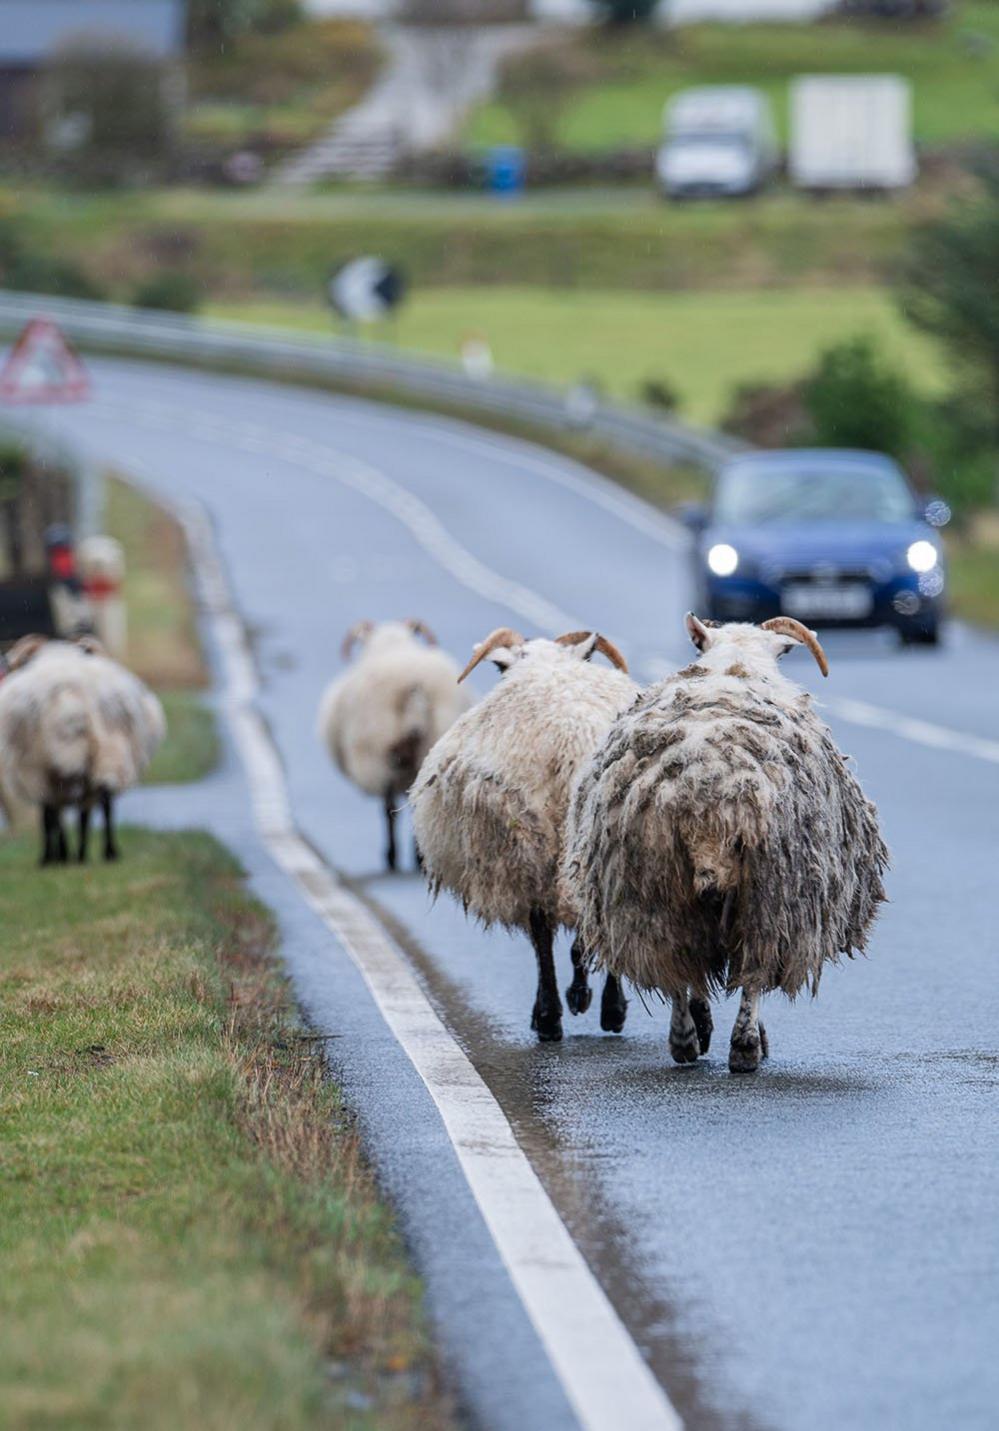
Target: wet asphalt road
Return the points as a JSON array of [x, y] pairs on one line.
[[813, 1248]]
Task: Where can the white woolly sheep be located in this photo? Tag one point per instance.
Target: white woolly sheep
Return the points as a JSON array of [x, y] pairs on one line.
[[76, 729], [718, 840], [490, 802], [380, 718]]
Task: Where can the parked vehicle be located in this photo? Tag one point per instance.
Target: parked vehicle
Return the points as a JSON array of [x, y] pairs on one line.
[[719, 142], [851, 132], [833, 538]]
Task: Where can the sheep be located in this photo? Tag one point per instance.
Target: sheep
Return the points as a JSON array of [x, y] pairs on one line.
[[718, 840], [489, 804], [380, 718], [76, 729]]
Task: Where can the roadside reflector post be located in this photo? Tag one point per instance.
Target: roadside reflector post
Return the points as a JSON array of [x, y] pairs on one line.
[[102, 574]]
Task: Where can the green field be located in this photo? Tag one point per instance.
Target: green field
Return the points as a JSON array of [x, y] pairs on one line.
[[190, 1237], [953, 66], [703, 344]]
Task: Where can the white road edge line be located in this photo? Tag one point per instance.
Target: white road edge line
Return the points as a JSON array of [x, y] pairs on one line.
[[437, 541], [600, 1368]]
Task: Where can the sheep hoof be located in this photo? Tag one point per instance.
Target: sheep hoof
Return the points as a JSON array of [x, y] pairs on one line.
[[686, 1050], [700, 1012], [579, 997], [744, 1057], [613, 1015], [548, 1027]]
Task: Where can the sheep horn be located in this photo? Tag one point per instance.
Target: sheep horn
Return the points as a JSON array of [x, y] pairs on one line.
[[787, 626], [22, 651], [502, 636], [90, 645], [601, 644], [357, 632], [420, 628]]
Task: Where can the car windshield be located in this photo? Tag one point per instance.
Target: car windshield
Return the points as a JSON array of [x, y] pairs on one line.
[[782, 496], [707, 138]]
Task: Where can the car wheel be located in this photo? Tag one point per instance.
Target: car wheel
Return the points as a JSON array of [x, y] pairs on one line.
[[920, 635]]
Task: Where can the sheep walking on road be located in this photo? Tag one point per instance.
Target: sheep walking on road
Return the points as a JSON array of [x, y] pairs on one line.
[[489, 805], [380, 718], [717, 839], [76, 729]]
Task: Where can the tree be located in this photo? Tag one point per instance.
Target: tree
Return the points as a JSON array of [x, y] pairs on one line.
[[949, 282]]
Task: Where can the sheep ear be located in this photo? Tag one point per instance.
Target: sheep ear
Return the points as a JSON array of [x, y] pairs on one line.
[[502, 658], [584, 648], [698, 632]]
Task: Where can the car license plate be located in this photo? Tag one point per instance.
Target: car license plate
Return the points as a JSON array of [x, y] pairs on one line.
[[818, 600]]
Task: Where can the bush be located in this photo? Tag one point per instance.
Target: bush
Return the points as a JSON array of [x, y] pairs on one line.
[[24, 267], [768, 415], [856, 399], [660, 393], [170, 291]]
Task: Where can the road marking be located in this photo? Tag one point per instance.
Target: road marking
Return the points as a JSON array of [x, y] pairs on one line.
[[600, 1369], [435, 539]]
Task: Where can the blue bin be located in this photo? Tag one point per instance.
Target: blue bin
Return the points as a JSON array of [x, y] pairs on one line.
[[505, 169]]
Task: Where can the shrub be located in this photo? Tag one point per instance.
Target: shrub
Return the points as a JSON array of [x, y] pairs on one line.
[[25, 267], [112, 97], [856, 399], [172, 291], [660, 393], [768, 415]]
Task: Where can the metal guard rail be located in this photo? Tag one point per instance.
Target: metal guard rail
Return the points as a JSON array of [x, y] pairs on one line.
[[269, 352]]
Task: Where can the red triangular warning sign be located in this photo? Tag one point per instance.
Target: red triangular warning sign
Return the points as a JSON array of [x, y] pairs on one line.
[[42, 367]]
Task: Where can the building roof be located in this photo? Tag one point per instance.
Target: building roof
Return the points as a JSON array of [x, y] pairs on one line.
[[31, 29]]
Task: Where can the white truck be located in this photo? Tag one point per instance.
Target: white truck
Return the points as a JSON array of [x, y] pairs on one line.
[[719, 142], [851, 132]]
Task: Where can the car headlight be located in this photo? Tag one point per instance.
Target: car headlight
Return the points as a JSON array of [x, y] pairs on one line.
[[921, 556], [723, 559]]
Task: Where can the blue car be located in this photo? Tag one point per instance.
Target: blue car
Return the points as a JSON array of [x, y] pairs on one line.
[[834, 538]]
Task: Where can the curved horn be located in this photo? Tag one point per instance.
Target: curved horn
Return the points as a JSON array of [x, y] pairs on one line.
[[502, 636], [787, 626], [420, 628], [601, 644], [22, 651], [357, 632]]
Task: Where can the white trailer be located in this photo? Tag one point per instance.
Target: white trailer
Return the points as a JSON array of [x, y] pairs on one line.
[[851, 132]]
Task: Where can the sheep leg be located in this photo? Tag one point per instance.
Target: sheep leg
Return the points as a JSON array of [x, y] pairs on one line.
[[749, 1037], [684, 1044], [546, 1020], [107, 809], [613, 1005], [50, 848], [390, 850], [579, 994], [700, 1012], [81, 850]]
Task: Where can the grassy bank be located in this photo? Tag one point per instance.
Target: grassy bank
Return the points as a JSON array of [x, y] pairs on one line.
[[190, 1237], [163, 644], [621, 80], [240, 245], [702, 344], [974, 572]]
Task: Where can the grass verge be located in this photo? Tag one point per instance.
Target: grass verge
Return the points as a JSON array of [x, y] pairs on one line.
[[163, 645], [190, 1236], [974, 572]]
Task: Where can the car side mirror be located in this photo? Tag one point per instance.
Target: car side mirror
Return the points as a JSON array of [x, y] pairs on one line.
[[935, 511], [693, 515]]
